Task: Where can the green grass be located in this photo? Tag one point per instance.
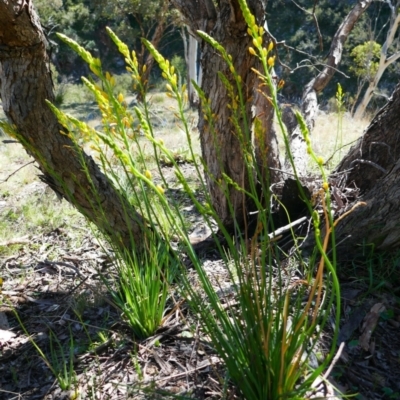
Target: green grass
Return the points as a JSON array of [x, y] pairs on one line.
[[140, 288]]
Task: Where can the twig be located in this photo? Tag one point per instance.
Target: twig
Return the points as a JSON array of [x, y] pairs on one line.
[[339, 149], [313, 65], [22, 240], [286, 227], [334, 361], [339, 243], [361, 161], [64, 264], [314, 18], [7, 141], [19, 169], [382, 144], [186, 372], [283, 172]]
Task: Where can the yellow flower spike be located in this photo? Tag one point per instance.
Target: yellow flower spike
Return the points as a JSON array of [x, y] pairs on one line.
[[270, 46], [172, 69], [232, 69], [108, 76], [261, 30], [320, 160], [255, 42], [147, 174], [144, 68], [271, 61], [260, 40], [160, 189], [120, 97], [168, 87], [252, 51], [325, 186], [126, 122], [249, 31], [164, 75], [264, 52], [112, 81]]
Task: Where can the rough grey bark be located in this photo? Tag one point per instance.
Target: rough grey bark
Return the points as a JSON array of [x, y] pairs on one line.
[[309, 103], [222, 151], [373, 165], [25, 85]]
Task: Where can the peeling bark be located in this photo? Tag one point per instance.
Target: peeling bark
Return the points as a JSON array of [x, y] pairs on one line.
[[25, 85]]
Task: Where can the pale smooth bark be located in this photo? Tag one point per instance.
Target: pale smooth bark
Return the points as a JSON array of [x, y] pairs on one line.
[[190, 45], [384, 61], [309, 104], [25, 85]]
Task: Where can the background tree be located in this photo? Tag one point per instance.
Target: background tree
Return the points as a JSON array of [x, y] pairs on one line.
[[366, 60], [85, 21], [388, 55], [309, 101]]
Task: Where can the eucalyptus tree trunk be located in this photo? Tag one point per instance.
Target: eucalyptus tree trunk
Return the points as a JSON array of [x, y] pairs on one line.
[[222, 150], [309, 103], [25, 85]]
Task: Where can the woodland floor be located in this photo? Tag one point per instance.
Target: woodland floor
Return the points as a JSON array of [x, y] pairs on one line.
[[51, 279]]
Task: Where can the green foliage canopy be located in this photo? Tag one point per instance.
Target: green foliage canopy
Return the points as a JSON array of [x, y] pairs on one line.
[[366, 60]]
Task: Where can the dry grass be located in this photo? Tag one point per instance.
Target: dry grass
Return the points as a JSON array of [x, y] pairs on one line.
[[27, 205], [332, 139]]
